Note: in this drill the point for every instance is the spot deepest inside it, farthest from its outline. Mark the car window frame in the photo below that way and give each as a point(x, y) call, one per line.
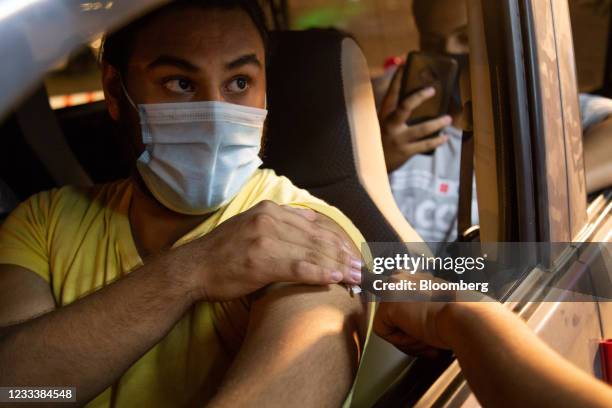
point(560, 212)
point(38, 34)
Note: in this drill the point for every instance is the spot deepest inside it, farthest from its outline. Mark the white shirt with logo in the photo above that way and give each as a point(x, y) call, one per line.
point(426, 188)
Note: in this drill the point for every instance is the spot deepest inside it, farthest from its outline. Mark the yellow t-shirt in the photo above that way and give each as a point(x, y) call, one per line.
point(79, 240)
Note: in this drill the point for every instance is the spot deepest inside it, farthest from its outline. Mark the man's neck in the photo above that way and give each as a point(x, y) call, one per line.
point(154, 227)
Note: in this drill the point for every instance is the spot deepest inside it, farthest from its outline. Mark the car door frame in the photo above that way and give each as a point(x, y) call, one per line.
point(549, 205)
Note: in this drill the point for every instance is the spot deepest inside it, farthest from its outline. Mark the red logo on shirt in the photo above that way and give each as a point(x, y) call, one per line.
point(444, 188)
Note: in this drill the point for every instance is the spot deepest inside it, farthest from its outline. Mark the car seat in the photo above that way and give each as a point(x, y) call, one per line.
point(43, 149)
point(323, 131)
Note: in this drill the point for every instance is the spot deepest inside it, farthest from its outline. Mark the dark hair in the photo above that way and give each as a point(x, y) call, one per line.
point(420, 8)
point(117, 46)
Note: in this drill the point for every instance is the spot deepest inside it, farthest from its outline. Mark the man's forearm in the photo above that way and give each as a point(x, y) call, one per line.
point(92, 342)
point(506, 363)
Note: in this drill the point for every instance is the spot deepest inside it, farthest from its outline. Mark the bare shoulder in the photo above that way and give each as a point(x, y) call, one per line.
point(285, 307)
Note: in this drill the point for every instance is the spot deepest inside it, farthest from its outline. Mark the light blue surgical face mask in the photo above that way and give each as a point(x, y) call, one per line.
point(199, 155)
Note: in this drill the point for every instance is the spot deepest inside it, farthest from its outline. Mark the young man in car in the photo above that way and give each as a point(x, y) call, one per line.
point(426, 187)
point(146, 291)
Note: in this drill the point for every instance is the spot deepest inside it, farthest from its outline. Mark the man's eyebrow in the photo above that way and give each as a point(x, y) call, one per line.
point(244, 60)
point(169, 60)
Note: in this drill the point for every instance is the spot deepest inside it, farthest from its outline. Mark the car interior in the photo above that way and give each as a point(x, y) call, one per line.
point(326, 139)
point(337, 157)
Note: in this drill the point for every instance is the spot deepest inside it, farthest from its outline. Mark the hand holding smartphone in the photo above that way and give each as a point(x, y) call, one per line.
point(423, 70)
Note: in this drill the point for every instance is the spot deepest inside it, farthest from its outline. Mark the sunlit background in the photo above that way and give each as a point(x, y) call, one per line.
point(383, 28)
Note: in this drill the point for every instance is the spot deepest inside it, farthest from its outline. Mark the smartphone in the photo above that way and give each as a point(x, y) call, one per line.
point(423, 70)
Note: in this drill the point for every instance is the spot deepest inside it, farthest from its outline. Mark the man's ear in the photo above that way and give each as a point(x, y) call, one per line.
point(111, 84)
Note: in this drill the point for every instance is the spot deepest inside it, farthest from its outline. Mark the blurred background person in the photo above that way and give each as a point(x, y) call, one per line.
point(426, 187)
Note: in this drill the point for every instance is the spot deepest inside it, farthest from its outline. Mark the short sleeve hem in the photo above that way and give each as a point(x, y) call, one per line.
point(23, 259)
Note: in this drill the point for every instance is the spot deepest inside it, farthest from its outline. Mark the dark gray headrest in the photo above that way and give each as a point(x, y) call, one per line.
point(308, 130)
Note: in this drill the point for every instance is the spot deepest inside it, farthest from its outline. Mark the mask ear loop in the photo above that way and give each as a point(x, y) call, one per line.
point(127, 95)
point(134, 106)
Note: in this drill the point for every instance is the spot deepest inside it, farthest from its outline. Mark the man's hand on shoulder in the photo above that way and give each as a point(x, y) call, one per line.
point(267, 244)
